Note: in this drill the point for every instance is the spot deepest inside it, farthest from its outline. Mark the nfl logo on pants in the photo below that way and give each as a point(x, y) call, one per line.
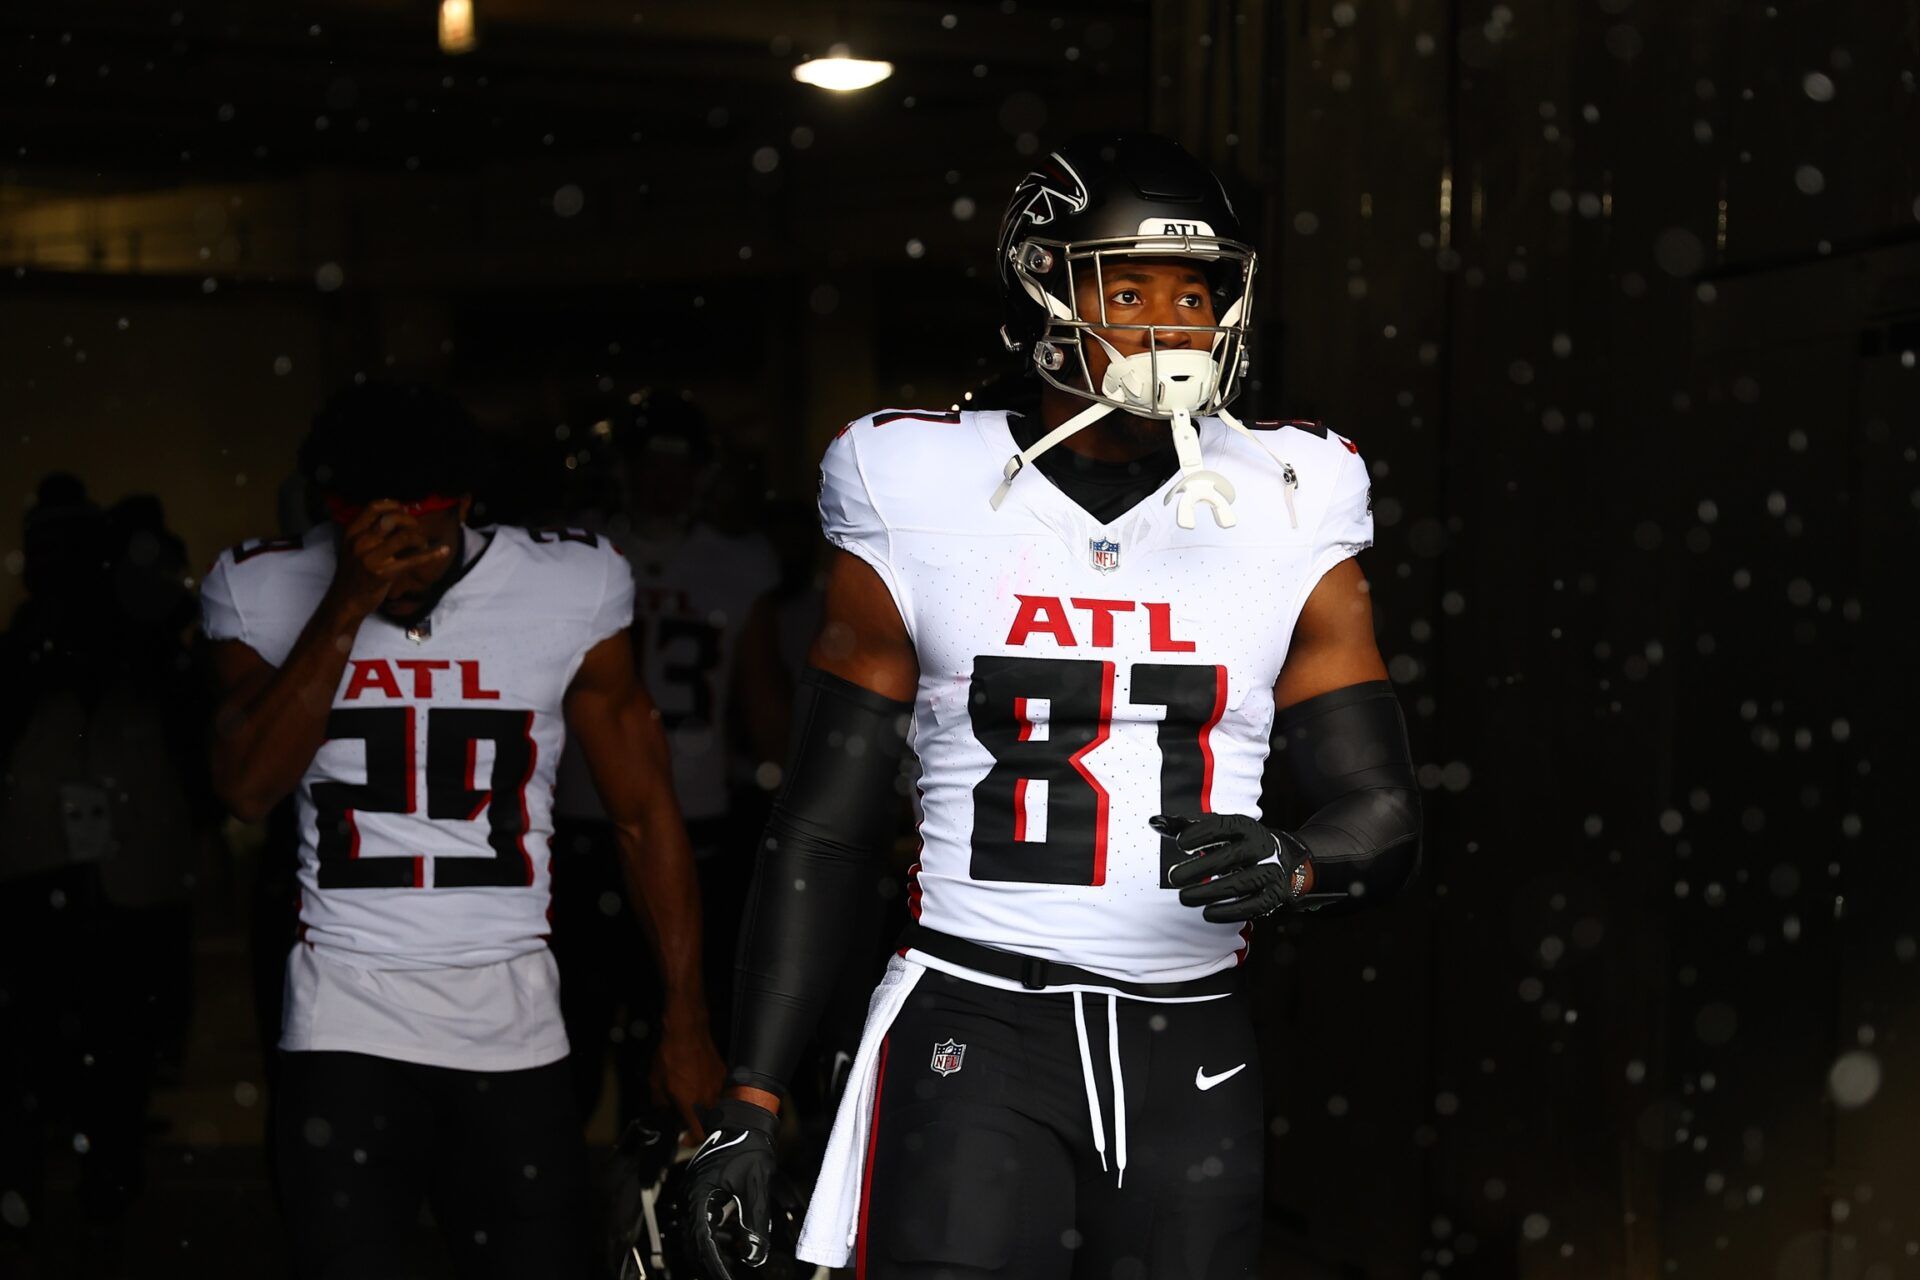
point(946, 1057)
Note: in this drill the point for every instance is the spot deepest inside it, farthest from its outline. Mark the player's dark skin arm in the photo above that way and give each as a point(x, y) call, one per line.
point(271, 720)
point(618, 729)
point(1333, 644)
point(862, 640)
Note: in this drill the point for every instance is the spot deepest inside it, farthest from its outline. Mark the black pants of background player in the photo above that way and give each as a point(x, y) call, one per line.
point(360, 1143)
point(78, 995)
point(991, 1170)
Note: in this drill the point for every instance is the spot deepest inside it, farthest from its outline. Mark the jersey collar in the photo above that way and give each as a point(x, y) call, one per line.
point(1142, 528)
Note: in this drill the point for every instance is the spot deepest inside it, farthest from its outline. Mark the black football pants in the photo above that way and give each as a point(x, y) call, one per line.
point(984, 1162)
point(360, 1142)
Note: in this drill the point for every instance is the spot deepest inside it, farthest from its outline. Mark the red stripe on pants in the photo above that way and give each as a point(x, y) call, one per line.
point(866, 1174)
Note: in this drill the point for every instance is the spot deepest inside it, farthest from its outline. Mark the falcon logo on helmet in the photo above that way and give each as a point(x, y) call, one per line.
point(1095, 203)
point(1041, 188)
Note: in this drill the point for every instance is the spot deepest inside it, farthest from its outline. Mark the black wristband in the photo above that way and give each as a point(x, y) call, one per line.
point(747, 1078)
point(738, 1113)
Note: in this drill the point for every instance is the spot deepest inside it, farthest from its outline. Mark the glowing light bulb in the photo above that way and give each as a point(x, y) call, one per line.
point(456, 26)
point(840, 72)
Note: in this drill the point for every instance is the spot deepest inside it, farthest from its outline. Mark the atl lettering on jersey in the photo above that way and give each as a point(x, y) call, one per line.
point(424, 817)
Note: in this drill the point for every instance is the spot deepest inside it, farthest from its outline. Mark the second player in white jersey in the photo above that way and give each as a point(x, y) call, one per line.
point(691, 596)
point(407, 680)
point(424, 819)
point(1077, 677)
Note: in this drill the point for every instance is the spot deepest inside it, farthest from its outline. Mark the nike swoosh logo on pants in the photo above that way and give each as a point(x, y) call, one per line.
point(1203, 1082)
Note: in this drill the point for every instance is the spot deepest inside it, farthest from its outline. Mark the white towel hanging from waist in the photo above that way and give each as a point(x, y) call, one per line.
point(833, 1215)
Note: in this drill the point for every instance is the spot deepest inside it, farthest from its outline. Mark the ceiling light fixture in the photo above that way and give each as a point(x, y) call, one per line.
point(841, 72)
point(456, 26)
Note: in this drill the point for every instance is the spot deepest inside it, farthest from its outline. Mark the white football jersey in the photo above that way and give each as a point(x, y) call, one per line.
point(691, 597)
point(425, 817)
point(1078, 677)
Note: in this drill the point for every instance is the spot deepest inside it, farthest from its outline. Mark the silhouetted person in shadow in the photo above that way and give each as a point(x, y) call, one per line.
point(149, 880)
point(96, 840)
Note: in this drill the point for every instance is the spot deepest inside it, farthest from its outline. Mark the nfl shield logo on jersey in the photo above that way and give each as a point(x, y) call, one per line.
point(946, 1057)
point(1106, 555)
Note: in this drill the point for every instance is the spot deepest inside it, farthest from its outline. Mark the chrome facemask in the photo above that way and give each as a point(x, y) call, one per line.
point(1176, 384)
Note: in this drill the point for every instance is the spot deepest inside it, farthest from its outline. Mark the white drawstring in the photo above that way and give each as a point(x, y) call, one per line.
point(1086, 1074)
point(1093, 1094)
point(1119, 1089)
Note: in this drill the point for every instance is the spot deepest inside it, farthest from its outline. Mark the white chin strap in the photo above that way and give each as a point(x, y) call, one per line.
point(1172, 382)
point(1018, 462)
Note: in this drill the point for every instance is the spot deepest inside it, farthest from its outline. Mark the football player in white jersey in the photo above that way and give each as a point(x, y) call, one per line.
point(411, 679)
point(694, 585)
point(1059, 1076)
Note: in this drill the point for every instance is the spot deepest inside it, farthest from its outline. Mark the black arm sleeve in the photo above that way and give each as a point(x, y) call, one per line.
point(840, 804)
point(1346, 754)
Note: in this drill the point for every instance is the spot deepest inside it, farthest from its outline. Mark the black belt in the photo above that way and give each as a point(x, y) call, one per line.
point(1034, 973)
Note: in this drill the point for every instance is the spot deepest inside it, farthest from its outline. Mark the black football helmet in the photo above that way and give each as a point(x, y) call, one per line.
point(1107, 197)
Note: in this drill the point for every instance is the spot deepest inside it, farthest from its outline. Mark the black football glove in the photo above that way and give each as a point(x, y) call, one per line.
point(735, 1165)
point(1234, 867)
